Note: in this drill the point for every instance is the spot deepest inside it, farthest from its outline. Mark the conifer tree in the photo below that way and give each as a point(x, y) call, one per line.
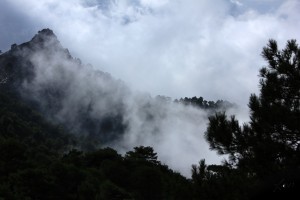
point(271, 141)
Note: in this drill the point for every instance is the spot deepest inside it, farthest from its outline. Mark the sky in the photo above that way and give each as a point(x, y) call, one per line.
point(176, 48)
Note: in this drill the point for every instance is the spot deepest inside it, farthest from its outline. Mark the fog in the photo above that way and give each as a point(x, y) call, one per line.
point(175, 131)
point(69, 92)
point(181, 48)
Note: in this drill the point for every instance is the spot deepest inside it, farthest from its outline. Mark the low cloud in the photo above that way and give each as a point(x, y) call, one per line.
point(173, 48)
point(91, 103)
point(174, 130)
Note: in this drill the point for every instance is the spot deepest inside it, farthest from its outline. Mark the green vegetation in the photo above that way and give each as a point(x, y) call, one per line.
point(39, 160)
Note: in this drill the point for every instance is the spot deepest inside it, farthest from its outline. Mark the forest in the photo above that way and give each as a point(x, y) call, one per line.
point(43, 159)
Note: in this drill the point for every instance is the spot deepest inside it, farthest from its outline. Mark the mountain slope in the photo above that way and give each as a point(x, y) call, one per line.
point(44, 74)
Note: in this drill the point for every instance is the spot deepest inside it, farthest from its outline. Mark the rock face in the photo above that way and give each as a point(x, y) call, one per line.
point(44, 36)
point(16, 64)
point(44, 33)
point(83, 100)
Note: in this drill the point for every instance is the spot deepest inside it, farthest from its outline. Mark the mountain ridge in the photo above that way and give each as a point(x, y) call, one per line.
point(30, 69)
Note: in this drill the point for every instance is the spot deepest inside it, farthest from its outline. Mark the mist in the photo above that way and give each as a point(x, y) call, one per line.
point(79, 97)
point(174, 130)
point(181, 48)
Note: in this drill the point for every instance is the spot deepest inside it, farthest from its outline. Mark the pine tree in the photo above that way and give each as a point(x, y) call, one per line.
point(271, 141)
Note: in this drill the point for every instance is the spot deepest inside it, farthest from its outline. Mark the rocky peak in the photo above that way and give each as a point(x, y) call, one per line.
point(17, 61)
point(44, 39)
point(47, 32)
point(44, 35)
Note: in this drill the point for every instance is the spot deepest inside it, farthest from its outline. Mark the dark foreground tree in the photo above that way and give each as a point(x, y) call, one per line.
point(142, 153)
point(269, 146)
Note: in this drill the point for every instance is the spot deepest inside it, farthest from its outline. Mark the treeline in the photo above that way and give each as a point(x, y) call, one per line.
point(204, 104)
point(200, 102)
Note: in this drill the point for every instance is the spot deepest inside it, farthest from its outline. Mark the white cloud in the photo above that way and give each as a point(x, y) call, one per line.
point(175, 48)
point(237, 2)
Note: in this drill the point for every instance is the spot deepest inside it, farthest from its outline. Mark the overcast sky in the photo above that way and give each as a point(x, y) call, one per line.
point(175, 48)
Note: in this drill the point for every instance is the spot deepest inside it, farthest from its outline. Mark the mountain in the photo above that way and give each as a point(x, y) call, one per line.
point(84, 101)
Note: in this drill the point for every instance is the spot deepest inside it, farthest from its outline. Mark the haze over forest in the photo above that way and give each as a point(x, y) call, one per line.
point(92, 104)
point(162, 74)
point(170, 48)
